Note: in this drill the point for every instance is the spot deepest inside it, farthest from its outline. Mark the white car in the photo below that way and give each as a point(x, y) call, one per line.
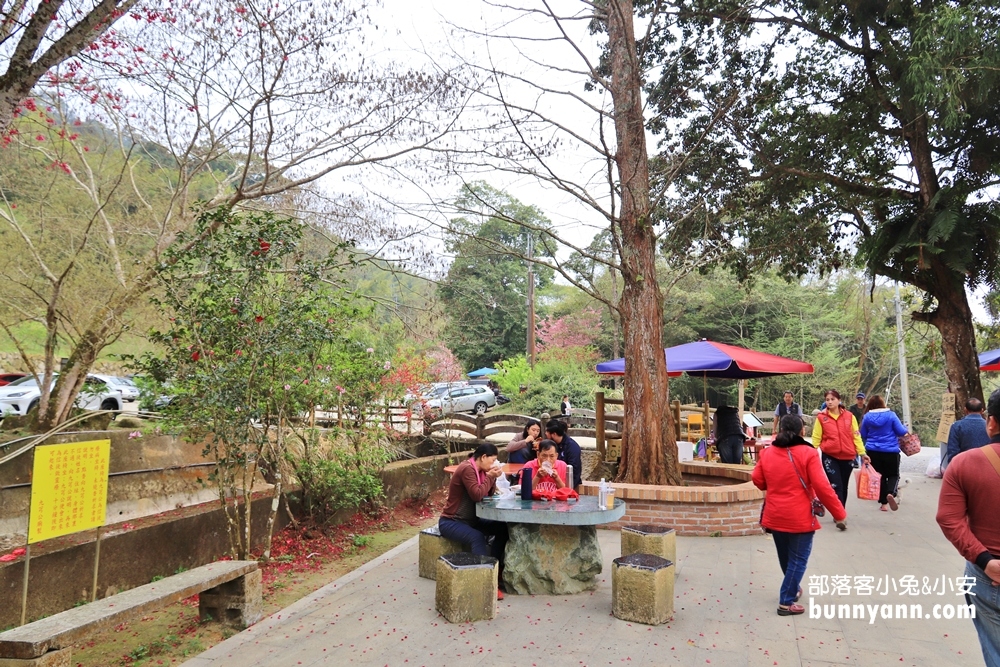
point(22, 395)
point(477, 399)
point(129, 391)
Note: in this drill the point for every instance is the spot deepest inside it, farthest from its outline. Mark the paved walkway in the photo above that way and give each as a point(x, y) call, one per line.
point(726, 594)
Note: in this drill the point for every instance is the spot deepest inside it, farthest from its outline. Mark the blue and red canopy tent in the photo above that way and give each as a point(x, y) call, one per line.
point(710, 359)
point(989, 361)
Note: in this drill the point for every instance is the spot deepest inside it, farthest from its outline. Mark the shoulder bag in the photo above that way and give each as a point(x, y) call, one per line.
point(817, 506)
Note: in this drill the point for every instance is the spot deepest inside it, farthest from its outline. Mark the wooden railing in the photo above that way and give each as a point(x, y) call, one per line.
point(482, 426)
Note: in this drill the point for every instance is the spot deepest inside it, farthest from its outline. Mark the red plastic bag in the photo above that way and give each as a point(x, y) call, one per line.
point(868, 480)
point(909, 444)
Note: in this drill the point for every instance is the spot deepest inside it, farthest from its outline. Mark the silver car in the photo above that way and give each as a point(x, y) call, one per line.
point(129, 391)
point(477, 399)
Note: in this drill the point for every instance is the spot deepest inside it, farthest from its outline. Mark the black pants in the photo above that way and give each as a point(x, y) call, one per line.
point(730, 449)
point(839, 473)
point(888, 466)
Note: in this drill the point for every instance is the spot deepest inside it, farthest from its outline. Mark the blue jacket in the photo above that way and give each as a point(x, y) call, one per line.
point(881, 431)
point(965, 434)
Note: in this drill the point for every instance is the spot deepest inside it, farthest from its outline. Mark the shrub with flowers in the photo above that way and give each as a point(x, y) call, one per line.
point(256, 331)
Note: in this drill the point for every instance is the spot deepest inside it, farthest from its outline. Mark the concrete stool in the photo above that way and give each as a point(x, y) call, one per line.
point(642, 589)
point(649, 539)
point(467, 587)
point(433, 546)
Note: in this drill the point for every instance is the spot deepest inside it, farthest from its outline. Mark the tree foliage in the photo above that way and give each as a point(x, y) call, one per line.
point(485, 291)
point(820, 132)
point(252, 341)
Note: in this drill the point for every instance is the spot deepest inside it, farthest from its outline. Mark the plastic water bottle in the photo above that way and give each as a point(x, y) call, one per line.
point(602, 494)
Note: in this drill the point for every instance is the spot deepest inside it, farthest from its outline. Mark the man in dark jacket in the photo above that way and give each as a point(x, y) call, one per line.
point(788, 406)
point(858, 409)
point(967, 433)
point(729, 435)
point(569, 449)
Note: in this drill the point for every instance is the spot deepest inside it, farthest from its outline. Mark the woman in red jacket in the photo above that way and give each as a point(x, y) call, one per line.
point(790, 474)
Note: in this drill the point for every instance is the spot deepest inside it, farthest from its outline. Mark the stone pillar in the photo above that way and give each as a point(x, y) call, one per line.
point(648, 539)
point(466, 587)
point(642, 589)
point(543, 559)
point(237, 602)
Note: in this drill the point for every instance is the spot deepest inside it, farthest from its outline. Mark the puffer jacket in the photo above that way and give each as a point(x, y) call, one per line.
point(881, 431)
point(788, 506)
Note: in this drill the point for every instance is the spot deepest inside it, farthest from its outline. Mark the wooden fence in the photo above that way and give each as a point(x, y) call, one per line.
point(482, 427)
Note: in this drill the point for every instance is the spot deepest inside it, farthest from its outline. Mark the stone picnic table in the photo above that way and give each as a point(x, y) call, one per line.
point(553, 548)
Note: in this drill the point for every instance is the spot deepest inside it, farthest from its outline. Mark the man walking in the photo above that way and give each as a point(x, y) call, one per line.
point(858, 409)
point(788, 406)
point(967, 507)
point(967, 433)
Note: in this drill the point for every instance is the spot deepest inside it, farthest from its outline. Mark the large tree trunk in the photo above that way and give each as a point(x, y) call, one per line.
point(953, 319)
point(649, 451)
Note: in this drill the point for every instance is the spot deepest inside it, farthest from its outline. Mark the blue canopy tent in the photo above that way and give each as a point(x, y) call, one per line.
point(480, 372)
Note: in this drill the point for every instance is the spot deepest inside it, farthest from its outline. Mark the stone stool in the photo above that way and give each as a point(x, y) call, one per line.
point(656, 540)
point(642, 589)
point(467, 587)
point(432, 547)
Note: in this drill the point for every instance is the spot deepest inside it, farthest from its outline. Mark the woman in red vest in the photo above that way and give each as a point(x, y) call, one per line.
point(836, 434)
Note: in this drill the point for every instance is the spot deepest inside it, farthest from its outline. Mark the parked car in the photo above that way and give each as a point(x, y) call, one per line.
point(126, 386)
point(7, 378)
point(22, 395)
point(475, 399)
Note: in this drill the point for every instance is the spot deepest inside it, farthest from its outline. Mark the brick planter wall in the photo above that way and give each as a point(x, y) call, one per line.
point(728, 510)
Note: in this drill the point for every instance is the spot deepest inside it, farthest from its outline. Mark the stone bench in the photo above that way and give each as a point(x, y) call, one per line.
point(230, 592)
point(466, 588)
point(432, 546)
point(642, 589)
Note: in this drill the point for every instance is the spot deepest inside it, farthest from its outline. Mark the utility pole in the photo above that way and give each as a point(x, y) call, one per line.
point(531, 301)
point(904, 380)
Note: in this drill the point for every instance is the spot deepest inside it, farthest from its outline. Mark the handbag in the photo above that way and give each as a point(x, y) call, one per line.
point(909, 444)
point(817, 506)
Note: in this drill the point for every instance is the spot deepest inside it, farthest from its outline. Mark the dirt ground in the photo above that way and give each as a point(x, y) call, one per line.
point(303, 560)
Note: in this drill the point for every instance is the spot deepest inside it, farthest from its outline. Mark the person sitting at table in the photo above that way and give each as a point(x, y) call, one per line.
point(474, 479)
point(568, 448)
point(524, 447)
point(548, 473)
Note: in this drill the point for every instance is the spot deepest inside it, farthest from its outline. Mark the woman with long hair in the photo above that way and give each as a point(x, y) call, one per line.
point(790, 475)
point(837, 435)
point(474, 479)
point(523, 448)
point(881, 431)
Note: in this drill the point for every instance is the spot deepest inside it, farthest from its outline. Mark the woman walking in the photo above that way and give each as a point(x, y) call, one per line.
point(791, 476)
point(881, 431)
point(837, 435)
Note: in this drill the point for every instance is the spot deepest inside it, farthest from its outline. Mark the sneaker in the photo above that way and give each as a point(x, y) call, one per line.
point(893, 502)
point(842, 525)
point(499, 594)
point(791, 610)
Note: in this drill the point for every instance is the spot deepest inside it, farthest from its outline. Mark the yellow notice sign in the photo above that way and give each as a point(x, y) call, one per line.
point(69, 488)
